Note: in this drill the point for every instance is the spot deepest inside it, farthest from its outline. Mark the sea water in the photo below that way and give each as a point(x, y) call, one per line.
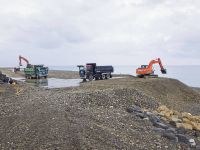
point(189, 75)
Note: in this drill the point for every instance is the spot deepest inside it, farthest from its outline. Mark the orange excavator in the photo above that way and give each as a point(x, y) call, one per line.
point(147, 70)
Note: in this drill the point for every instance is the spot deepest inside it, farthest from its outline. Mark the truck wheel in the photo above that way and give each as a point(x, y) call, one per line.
point(103, 76)
point(90, 77)
point(96, 78)
point(106, 76)
point(110, 75)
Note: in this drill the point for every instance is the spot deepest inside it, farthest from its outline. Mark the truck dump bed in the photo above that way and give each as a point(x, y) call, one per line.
point(104, 69)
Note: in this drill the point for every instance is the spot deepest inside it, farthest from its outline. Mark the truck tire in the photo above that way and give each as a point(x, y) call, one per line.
point(108, 76)
point(90, 77)
point(104, 76)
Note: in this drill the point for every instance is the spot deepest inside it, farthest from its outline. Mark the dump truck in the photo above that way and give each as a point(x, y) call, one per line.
point(35, 71)
point(148, 71)
point(92, 71)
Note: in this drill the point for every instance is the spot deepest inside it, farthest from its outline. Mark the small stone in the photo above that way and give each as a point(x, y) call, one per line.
point(198, 147)
point(192, 142)
point(166, 147)
point(182, 138)
point(146, 118)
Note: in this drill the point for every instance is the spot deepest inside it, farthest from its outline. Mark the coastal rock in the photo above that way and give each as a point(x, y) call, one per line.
point(160, 125)
point(187, 115)
point(175, 118)
point(153, 118)
point(137, 109)
point(182, 138)
point(129, 110)
point(195, 125)
point(185, 120)
point(171, 130)
point(181, 120)
point(192, 143)
point(159, 130)
point(198, 147)
point(162, 108)
point(184, 125)
point(170, 136)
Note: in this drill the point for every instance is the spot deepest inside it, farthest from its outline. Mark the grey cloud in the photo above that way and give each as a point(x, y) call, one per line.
point(79, 30)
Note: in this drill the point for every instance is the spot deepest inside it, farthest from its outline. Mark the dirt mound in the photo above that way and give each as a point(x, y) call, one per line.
point(172, 93)
point(166, 91)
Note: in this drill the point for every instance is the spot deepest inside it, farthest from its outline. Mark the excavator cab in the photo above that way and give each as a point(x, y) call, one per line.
point(144, 66)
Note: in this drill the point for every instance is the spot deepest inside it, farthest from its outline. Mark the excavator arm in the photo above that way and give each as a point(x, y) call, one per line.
point(157, 61)
point(24, 59)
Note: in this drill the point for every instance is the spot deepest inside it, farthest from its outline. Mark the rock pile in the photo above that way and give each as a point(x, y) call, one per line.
point(5, 79)
point(175, 134)
point(181, 120)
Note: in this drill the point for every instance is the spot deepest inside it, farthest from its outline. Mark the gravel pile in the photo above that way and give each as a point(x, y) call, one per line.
point(92, 116)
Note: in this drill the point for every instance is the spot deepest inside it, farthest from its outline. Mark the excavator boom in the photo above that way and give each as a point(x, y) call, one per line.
point(24, 59)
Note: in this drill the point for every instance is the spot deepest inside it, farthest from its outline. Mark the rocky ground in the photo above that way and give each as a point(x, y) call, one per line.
point(95, 115)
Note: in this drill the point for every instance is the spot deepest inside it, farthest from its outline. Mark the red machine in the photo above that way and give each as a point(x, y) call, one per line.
point(24, 59)
point(147, 70)
point(20, 63)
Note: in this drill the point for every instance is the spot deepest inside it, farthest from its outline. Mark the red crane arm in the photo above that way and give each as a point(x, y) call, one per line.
point(24, 59)
point(156, 61)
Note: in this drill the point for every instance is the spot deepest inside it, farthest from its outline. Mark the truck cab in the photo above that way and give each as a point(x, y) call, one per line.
point(81, 71)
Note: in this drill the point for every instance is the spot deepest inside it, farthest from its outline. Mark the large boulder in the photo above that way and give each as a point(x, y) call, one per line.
point(184, 125)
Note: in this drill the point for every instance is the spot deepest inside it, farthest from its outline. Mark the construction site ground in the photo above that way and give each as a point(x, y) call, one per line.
point(91, 116)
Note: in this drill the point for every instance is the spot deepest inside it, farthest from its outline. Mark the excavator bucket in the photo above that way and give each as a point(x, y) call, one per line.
point(164, 71)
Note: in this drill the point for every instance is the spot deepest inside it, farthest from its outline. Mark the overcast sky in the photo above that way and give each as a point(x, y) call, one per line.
point(116, 32)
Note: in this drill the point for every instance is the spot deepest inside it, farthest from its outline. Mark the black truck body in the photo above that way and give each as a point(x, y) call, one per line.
point(92, 71)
